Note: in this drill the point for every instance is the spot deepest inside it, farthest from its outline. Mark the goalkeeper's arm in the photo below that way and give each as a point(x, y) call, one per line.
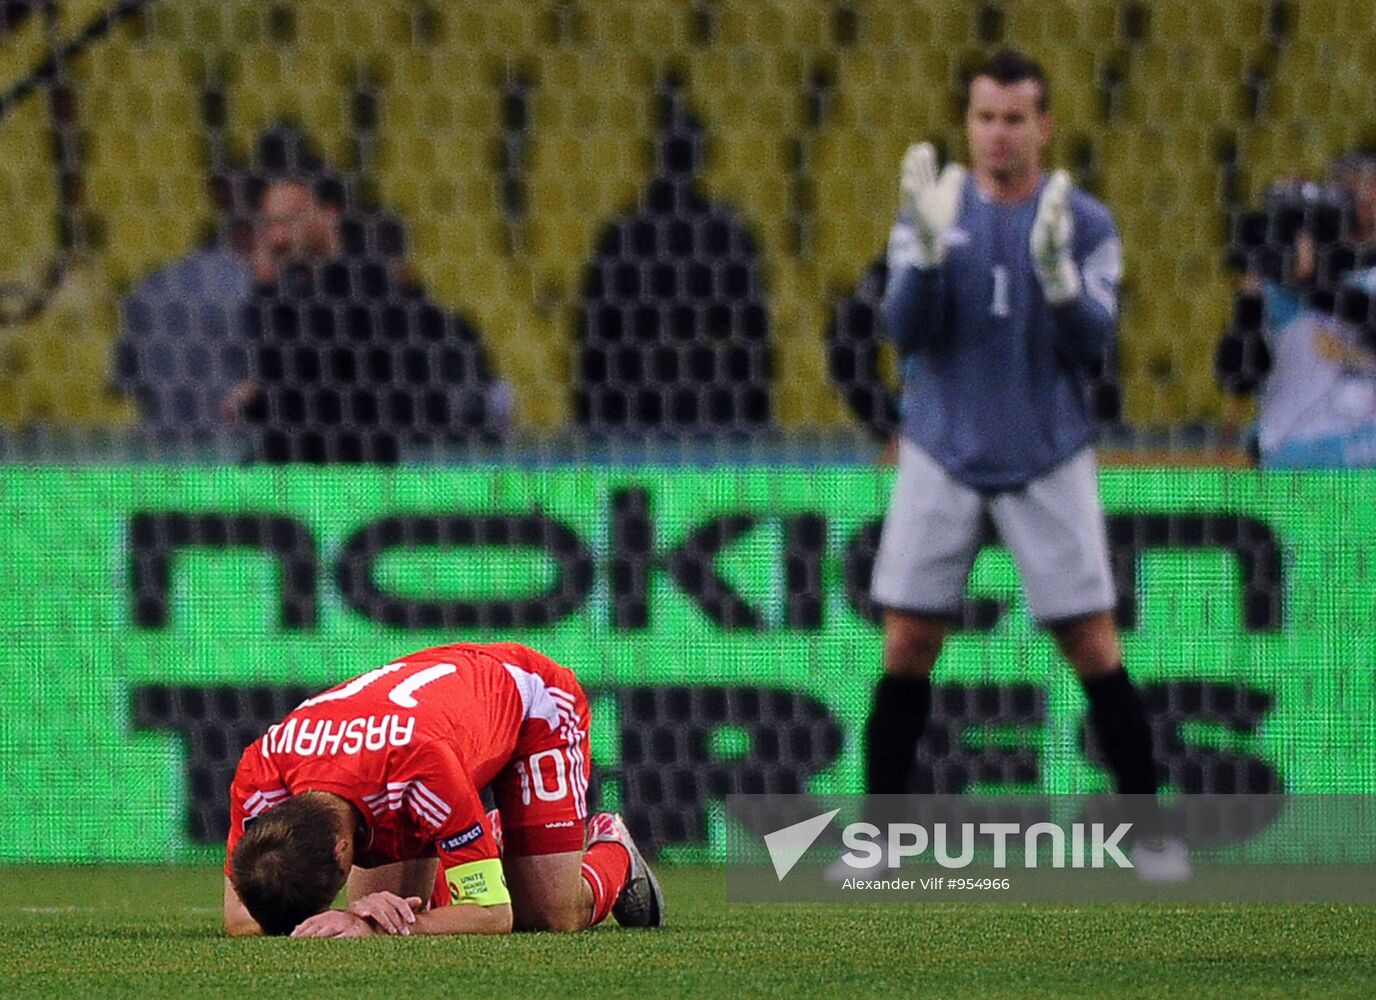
point(912, 306)
point(928, 205)
point(1081, 288)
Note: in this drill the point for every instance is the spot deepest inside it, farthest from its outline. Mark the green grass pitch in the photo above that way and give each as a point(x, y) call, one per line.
point(101, 932)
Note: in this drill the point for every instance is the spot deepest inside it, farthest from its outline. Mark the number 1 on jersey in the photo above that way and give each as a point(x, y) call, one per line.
point(999, 307)
point(403, 694)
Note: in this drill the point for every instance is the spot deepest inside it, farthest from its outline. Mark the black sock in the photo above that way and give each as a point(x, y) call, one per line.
point(1119, 719)
point(898, 714)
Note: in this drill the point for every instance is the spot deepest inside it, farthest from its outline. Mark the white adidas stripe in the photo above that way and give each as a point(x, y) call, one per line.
point(440, 806)
point(425, 803)
point(601, 887)
point(570, 730)
point(262, 801)
point(423, 812)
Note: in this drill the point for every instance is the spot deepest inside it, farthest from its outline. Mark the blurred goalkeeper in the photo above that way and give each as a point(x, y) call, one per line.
point(1003, 294)
point(373, 786)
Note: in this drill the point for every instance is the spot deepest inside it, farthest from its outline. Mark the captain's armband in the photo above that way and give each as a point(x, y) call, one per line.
point(480, 882)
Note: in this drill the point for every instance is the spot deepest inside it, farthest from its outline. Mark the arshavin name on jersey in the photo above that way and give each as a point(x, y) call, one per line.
point(330, 737)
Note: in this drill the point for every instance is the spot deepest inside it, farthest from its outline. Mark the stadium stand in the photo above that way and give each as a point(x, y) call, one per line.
point(508, 137)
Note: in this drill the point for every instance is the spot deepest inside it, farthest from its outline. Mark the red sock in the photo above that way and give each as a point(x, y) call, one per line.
point(606, 867)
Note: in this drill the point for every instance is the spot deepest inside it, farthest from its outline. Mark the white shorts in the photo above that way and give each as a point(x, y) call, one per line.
point(1054, 527)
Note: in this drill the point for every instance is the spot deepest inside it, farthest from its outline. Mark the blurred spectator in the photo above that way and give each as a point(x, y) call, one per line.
point(1355, 173)
point(673, 335)
point(181, 352)
point(352, 362)
point(1303, 336)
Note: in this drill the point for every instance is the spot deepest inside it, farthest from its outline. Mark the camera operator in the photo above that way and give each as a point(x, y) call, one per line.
point(1303, 336)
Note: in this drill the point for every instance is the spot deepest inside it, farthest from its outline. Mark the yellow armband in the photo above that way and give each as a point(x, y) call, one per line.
point(480, 882)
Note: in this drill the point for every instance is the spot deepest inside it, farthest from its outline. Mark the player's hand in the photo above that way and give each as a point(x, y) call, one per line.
point(1052, 235)
point(334, 924)
point(387, 911)
point(930, 202)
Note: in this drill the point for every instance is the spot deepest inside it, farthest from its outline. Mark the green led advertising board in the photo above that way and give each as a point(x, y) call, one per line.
point(678, 596)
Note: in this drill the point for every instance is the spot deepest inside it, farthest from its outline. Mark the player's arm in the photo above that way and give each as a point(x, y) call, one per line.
point(442, 798)
point(238, 923)
point(465, 918)
point(472, 868)
point(912, 306)
point(928, 205)
point(1087, 324)
point(382, 913)
point(1082, 289)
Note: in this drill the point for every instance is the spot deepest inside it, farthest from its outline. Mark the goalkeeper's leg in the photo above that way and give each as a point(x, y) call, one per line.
point(932, 533)
point(1117, 713)
point(901, 701)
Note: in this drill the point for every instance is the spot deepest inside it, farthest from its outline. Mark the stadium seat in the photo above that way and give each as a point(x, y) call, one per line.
point(639, 29)
point(26, 46)
point(493, 29)
point(592, 129)
point(797, 27)
point(435, 167)
point(55, 368)
point(1074, 69)
point(1274, 150)
point(144, 164)
point(857, 194)
point(1317, 101)
point(749, 140)
point(883, 104)
point(311, 87)
point(75, 15)
point(1162, 180)
point(755, 127)
point(338, 24)
point(1060, 25)
point(28, 194)
point(923, 27)
point(819, 195)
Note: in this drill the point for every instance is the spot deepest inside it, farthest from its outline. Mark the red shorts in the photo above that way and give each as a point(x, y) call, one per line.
point(542, 793)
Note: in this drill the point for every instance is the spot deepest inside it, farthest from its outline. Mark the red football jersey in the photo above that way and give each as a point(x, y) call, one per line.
point(410, 744)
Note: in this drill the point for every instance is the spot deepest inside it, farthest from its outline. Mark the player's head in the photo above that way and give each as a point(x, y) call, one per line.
point(1007, 117)
point(296, 221)
point(298, 199)
point(292, 861)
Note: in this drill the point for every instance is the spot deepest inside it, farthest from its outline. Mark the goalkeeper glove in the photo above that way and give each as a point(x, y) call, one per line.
point(929, 202)
point(1051, 242)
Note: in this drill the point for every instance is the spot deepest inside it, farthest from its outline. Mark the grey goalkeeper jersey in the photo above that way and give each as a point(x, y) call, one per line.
point(994, 379)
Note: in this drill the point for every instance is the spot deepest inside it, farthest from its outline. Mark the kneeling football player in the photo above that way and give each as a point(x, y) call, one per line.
point(374, 785)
